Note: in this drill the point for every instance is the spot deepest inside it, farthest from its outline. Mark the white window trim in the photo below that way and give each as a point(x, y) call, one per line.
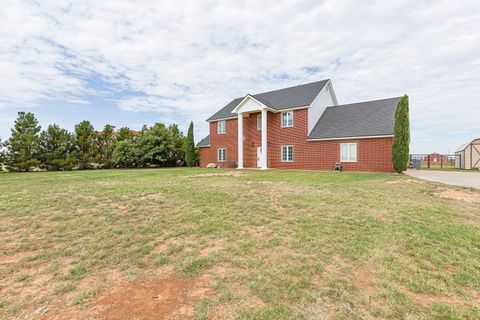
point(224, 152)
point(286, 115)
point(348, 155)
point(224, 126)
point(281, 152)
point(259, 121)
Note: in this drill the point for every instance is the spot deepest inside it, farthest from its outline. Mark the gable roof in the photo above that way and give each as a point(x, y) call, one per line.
point(363, 119)
point(287, 98)
point(465, 145)
point(205, 142)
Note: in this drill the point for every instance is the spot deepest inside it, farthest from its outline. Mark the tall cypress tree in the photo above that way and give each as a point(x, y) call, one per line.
point(190, 147)
point(22, 147)
point(401, 136)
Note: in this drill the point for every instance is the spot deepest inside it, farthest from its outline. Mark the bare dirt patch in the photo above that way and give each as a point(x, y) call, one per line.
point(218, 174)
point(365, 277)
point(335, 265)
point(405, 181)
point(159, 296)
point(465, 196)
point(212, 247)
point(156, 299)
point(6, 258)
point(426, 300)
point(151, 196)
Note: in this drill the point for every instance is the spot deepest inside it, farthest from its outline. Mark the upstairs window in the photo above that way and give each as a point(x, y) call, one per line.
point(287, 153)
point(221, 154)
point(222, 127)
point(348, 152)
point(287, 119)
point(259, 122)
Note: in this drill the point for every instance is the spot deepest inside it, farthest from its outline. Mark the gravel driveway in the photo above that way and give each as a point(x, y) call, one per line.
point(465, 179)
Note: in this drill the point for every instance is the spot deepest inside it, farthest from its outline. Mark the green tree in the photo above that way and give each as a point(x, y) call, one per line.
point(85, 148)
point(57, 148)
point(155, 145)
point(126, 154)
point(178, 155)
point(22, 147)
point(190, 152)
point(106, 145)
point(2, 155)
point(401, 136)
point(124, 134)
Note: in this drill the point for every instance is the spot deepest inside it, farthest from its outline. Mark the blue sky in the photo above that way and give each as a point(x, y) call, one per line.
point(132, 63)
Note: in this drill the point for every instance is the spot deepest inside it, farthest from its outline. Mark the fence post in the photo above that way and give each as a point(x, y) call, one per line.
point(441, 162)
point(428, 161)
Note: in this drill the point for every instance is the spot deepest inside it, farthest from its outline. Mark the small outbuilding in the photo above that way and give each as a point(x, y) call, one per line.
point(468, 155)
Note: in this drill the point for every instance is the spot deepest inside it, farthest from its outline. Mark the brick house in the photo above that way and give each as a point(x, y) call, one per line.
point(301, 127)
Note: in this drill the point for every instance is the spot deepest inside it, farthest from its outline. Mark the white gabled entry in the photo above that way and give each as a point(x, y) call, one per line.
point(247, 105)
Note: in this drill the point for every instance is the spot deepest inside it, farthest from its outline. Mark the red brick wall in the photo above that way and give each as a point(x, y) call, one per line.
point(226, 140)
point(373, 154)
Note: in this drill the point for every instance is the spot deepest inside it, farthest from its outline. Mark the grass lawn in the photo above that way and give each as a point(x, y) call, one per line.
point(219, 244)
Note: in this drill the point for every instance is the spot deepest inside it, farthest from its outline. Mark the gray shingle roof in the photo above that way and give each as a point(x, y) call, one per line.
point(205, 142)
point(298, 96)
point(226, 112)
point(370, 118)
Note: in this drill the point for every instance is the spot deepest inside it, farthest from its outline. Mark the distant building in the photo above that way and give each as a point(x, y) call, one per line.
point(435, 158)
point(132, 132)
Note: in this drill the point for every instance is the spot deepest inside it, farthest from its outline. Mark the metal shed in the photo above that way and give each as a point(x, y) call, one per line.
point(469, 155)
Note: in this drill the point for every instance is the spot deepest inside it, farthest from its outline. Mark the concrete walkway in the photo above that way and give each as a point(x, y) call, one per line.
point(457, 178)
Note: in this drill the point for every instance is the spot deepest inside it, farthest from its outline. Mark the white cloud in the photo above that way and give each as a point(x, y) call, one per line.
point(189, 58)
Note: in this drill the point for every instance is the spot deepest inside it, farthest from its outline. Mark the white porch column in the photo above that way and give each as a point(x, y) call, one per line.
point(264, 139)
point(240, 141)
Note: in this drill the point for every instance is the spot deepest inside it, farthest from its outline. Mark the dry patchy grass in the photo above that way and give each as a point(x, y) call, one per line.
point(219, 244)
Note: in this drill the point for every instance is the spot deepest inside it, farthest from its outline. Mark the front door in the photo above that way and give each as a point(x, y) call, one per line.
point(259, 157)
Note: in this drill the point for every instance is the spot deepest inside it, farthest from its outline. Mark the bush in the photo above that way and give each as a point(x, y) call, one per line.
point(126, 155)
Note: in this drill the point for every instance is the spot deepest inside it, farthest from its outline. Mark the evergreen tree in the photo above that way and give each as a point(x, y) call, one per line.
point(178, 155)
point(85, 148)
point(2, 155)
point(190, 154)
point(124, 134)
point(106, 145)
point(401, 136)
point(57, 148)
point(22, 147)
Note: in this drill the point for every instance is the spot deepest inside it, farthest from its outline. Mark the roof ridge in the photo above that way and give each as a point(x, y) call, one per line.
point(262, 100)
point(359, 102)
point(298, 85)
point(367, 118)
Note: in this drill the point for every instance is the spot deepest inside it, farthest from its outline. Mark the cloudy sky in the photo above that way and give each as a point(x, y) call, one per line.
point(133, 62)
